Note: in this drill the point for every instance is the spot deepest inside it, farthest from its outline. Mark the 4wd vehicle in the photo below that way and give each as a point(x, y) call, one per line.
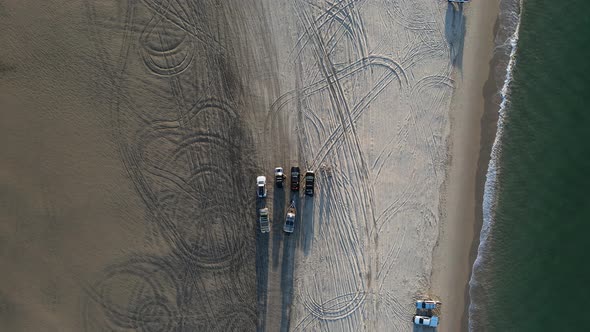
point(426, 304)
point(279, 176)
point(309, 183)
point(295, 178)
point(290, 219)
point(261, 186)
point(425, 321)
point(263, 219)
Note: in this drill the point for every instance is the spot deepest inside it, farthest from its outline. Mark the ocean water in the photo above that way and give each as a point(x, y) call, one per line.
point(532, 272)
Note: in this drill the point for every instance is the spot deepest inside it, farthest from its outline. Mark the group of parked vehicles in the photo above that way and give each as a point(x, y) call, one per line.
point(425, 313)
point(279, 181)
point(295, 177)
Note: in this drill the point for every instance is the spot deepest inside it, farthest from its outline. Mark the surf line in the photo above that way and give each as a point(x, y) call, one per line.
point(491, 183)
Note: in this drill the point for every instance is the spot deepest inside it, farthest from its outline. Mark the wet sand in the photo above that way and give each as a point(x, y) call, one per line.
point(67, 205)
point(473, 122)
point(128, 133)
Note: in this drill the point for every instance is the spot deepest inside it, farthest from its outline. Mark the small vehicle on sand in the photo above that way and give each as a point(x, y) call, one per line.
point(261, 186)
point(290, 219)
point(279, 177)
point(263, 220)
point(295, 178)
point(425, 321)
point(309, 183)
point(426, 304)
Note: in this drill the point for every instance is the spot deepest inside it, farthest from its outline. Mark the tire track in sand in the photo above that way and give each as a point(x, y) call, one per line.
point(352, 151)
point(176, 163)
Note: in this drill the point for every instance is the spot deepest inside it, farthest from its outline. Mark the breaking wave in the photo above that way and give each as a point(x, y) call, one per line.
point(507, 42)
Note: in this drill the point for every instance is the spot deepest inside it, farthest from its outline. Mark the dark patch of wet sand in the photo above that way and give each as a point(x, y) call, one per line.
point(126, 170)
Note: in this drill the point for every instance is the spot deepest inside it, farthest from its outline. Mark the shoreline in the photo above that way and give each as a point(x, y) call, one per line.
point(472, 130)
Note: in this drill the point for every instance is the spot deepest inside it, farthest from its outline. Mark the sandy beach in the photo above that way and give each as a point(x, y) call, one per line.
point(133, 133)
point(473, 121)
point(361, 269)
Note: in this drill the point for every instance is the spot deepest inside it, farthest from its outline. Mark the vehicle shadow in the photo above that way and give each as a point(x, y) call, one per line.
point(455, 33)
point(287, 273)
point(262, 241)
point(288, 268)
point(277, 222)
point(325, 196)
point(307, 224)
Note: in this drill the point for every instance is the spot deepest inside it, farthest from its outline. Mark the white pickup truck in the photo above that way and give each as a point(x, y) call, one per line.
point(425, 321)
point(261, 186)
point(279, 176)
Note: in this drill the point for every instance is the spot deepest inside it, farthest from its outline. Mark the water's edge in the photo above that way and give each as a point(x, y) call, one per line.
point(506, 41)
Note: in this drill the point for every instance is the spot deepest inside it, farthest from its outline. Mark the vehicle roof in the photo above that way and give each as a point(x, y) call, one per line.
point(261, 178)
point(278, 168)
point(294, 168)
point(421, 320)
point(433, 321)
point(309, 172)
point(428, 304)
point(264, 210)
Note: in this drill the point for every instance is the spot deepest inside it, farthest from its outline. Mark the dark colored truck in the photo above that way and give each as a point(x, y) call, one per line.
point(309, 183)
point(295, 178)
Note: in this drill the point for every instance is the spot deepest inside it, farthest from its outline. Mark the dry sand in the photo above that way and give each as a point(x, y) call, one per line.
point(132, 133)
point(370, 102)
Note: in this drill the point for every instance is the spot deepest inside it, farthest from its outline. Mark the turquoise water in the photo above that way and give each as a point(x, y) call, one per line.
point(532, 272)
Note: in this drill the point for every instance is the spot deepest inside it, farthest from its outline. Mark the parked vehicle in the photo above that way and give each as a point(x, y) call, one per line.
point(425, 321)
point(426, 304)
point(263, 220)
point(261, 183)
point(279, 177)
point(309, 183)
point(295, 178)
point(290, 219)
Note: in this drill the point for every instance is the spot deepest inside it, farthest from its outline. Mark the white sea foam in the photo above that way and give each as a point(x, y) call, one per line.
point(476, 286)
